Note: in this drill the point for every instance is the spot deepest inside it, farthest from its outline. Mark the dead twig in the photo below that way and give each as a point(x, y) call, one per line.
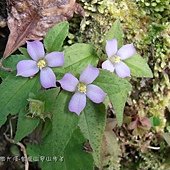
point(23, 150)
point(4, 68)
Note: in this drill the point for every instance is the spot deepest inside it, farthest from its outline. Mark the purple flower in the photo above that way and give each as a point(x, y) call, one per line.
point(116, 57)
point(42, 62)
point(82, 88)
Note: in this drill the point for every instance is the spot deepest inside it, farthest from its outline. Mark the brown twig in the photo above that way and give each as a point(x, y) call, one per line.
point(4, 68)
point(23, 150)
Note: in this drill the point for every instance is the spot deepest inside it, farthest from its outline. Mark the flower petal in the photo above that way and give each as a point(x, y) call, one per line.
point(47, 77)
point(95, 93)
point(107, 65)
point(122, 70)
point(89, 74)
point(126, 51)
point(69, 82)
point(35, 50)
point(27, 68)
point(55, 59)
point(77, 103)
point(111, 47)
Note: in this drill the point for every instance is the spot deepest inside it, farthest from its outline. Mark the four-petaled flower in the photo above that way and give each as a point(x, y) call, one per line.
point(116, 57)
point(82, 88)
point(42, 62)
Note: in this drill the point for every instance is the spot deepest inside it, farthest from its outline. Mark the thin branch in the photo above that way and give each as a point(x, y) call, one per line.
point(153, 147)
point(4, 68)
point(11, 131)
point(23, 150)
point(10, 126)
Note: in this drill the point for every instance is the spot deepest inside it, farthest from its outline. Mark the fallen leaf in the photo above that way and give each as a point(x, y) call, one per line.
point(31, 19)
point(166, 136)
point(110, 147)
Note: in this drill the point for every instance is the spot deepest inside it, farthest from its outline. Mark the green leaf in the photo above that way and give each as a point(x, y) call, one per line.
point(155, 120)
point(55, 37)
point(115, 32)
point(65, 140)
point(14, 94)
point(63, 125)
point(24, 52)
point(74, 157)
point(117, 89)
point(47, 128)
point(48, 97)
point(77, 57)
point(33, 150)
point(138, 66)
point(92, 124)
point(13, 60)
point(11, 63)
point(25, 125)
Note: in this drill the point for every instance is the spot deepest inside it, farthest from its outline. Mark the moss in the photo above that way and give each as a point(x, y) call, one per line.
point(158, 9)
point(145, 23)
point(149, 161)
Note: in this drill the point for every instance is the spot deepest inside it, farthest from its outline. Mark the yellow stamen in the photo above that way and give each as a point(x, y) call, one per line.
point(41, 64)
point(81, 87)
point(115, 59)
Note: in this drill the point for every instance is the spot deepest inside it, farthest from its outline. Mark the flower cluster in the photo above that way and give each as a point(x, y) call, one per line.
point(83, 88)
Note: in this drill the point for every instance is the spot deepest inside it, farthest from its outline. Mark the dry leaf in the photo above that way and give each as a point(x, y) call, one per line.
point(31, 19)
point(110, 146)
